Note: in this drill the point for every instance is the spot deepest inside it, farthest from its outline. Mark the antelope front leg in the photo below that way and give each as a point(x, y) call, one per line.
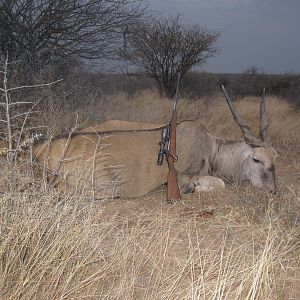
point(191, 184)
point(209, 183)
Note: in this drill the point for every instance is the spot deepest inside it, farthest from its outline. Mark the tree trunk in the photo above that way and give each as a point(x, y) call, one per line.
point(164, 89)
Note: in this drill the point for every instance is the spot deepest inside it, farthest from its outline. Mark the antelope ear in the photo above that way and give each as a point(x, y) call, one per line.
point(252, 141)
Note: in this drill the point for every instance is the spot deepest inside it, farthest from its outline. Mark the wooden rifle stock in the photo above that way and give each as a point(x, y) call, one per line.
point(173, 192)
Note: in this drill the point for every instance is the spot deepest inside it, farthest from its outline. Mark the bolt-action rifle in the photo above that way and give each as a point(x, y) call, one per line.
point(168, 150)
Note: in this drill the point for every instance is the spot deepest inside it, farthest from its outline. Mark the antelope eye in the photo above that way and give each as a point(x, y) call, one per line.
point(256, 160)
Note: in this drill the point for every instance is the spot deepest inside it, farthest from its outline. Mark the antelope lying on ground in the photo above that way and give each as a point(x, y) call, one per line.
point(118, 158)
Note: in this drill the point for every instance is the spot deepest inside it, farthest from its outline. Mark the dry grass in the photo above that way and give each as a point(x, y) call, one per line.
point(58, 246)
point(55, 247)
point(147, 107)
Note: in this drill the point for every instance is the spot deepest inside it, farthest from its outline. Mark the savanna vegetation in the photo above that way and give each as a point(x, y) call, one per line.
point(239, 243)
point(235, 244)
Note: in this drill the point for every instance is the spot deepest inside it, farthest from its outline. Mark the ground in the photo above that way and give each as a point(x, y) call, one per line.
point(240, 243)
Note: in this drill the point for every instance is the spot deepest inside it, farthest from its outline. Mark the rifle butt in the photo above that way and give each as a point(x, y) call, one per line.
point(173, 192)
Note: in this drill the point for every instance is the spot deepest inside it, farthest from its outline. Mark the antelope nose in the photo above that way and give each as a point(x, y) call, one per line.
point(274, 192)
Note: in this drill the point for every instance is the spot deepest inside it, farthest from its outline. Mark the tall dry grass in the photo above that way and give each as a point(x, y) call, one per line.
point(62, 246)
point(147, 107)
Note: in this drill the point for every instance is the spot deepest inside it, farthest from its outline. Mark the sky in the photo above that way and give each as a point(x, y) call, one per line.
point(261, 33)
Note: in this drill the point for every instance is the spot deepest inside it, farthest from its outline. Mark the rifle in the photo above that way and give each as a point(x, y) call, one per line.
point(168, 149)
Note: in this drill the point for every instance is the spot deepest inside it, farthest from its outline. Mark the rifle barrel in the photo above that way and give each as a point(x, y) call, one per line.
point(177, 90)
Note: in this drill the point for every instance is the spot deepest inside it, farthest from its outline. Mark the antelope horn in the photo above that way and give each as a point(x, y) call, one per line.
point(248, 135)
point(264, 125)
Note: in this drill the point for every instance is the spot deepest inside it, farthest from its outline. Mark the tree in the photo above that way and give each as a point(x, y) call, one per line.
point(164, 46)
point(15, 116)
point(40, 32)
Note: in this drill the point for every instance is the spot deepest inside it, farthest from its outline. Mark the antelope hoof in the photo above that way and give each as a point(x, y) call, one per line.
point(188, 188)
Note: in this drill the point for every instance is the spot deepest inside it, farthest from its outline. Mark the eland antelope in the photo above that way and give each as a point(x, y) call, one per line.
point(118, 158)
